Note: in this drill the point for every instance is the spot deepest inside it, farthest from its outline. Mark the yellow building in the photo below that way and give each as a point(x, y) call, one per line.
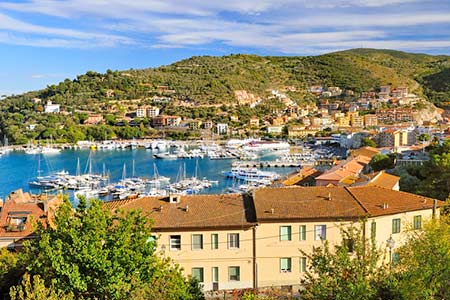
point(209, 236)
point(234, 241)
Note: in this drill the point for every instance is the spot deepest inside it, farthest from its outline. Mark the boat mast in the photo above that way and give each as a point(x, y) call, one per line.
point(132, 170)
point(124, 171)
point(78, 172)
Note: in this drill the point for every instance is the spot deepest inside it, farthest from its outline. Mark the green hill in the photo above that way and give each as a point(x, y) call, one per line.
point(209, 80)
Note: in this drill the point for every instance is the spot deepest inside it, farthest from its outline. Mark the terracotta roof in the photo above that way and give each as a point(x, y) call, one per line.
point(365, 151)
point(297, 203)
point(306, 203)
point(196, 211)
point(344, 169)
point(384, 180)
point(302, 174)
point(11, 210)
point(373, 198)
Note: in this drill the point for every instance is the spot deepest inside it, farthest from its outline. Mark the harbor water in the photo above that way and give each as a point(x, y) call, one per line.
point(18, 169)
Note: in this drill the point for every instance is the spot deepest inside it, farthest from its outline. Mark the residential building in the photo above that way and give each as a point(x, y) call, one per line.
point(222, 128)
point(195, 124)
point(166, 121)
point(152, 111)
point(254, 122)
point(209, 236)
point(18, 213)
point(275, 129)
point(208, 124)
point(141, 112)
point(301, 131)
point(370, 120)
point(51, 108)
point(297, 219)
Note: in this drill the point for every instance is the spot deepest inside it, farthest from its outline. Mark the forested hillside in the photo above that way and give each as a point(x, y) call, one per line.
point(212, 81)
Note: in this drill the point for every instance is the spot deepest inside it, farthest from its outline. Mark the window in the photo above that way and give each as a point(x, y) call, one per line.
point(303, 264)
point(197, 241)
point(234, 273)
point(396, 225)
point(418, 222)
point(214, 241)
point(233, 240)
point(321, 232)
point(285, 233)
point(302, 232)
point(175, 242)
point(285, 264)
point(373, 230)
point(215, 274)
point(197, 273)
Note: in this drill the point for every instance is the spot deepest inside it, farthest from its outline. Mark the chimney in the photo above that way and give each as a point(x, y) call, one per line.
point(187, 208)
point(385, 206)
point(329, 196)
point(174, 198)
point(272, 211)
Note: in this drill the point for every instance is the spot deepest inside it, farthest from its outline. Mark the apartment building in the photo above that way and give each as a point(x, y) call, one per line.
point(209, 236)
point(232, 242)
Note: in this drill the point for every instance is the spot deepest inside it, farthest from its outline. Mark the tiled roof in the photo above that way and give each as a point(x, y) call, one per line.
point(306, 203)
point(374, 198)
point(297, 203)
point(196, 211)
point(29, 210)
point(384, 180)
point(365, 151)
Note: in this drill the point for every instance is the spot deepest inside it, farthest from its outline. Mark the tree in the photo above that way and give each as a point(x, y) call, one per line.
point(35, 289)
point(350, 270)
point(10, 269)
point(381, 162)
point(368, 142)
point(94, 254)
point(424, 262)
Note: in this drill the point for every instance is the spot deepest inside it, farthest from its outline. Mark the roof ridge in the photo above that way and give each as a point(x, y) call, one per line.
point(356, 199)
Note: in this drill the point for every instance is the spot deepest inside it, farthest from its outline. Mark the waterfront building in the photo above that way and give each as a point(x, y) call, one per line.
point(370, 120)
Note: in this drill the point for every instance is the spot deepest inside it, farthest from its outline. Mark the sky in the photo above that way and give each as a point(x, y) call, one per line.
point(42, 42)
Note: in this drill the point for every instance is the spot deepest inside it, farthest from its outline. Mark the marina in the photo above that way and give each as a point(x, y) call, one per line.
point(100, 173)
point(121, 170)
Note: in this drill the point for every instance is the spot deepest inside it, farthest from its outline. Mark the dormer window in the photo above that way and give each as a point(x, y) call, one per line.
point(17, 220)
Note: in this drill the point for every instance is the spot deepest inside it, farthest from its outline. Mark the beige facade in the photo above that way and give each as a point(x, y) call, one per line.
point(234, 241)
point(278, 257)
point(217, 259)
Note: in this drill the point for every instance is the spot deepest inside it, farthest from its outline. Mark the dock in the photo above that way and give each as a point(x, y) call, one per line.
point(267, 164)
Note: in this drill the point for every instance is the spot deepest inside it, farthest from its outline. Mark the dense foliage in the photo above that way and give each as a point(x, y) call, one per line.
point(420, 269)
point(207, 85)
point(91, 253)
point(432, 179)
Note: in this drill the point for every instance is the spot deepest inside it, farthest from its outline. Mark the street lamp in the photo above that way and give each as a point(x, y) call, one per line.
point(390, 244)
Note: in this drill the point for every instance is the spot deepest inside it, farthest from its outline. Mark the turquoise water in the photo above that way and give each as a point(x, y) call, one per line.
point(18, 168)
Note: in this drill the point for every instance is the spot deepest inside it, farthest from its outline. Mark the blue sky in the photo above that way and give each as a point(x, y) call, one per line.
point(45, 41)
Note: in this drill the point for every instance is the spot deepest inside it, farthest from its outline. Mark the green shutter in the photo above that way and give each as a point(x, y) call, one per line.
point(302, 232)
point(303, 264)
point(418, 222)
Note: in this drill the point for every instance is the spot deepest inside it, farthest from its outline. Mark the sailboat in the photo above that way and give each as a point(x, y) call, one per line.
point(158, 179)
point(49, 149)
